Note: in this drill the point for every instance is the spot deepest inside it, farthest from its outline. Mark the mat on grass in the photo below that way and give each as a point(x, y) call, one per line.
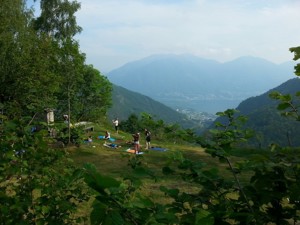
point(158, 149)
point(103, 137)
point(133, 151)
point(111, 145)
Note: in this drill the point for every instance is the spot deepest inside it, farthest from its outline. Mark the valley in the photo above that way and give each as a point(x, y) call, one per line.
point(186, 81)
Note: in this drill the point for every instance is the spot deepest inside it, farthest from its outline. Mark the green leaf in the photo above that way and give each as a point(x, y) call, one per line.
point(97, 181)
point(167, 170)
point(275, 95)
point(204, 217)
point(36, 193)
point(286, 98)
point(98, 214)
point(171, 192)
point(141, 171)
point(45, 209)
point(141, 202)
point(114, 218)
point(212, 173)
point(283, 106)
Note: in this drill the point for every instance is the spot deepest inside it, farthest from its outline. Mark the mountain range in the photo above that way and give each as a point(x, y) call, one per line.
point(189, 82)
point(263, 116)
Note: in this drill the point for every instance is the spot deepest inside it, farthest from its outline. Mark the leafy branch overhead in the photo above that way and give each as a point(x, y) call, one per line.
point(296, 51)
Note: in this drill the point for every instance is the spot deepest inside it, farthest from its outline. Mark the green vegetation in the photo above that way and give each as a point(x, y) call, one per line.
point(210, 180)
point(264, 116)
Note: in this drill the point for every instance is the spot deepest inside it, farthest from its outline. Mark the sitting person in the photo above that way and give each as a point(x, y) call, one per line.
point(107, 135)
point(88, 140)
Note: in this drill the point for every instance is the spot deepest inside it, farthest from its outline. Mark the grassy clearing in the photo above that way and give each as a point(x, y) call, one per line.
point(114, 162)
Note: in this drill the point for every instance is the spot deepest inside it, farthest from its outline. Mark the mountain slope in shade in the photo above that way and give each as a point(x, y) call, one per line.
point(186, 81)
point(127, 102)
point(266, 120)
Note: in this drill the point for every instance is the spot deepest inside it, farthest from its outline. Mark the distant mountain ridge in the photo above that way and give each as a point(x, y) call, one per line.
point(186, 81)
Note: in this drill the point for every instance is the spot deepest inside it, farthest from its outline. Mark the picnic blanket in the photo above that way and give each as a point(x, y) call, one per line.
point(133, 151)
point(103, 137)
point(158, 149)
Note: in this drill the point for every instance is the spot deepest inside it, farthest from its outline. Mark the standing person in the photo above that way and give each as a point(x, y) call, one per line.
point(148, 138)
point(116, 123)
point(136, 141)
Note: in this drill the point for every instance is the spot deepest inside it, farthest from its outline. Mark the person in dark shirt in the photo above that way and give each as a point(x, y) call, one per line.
point(148, 138)
point(107, 135)
point(136, 142)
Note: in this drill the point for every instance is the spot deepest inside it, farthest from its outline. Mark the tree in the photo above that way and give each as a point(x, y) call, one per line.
point(93, 96)
point(58, 19)
point(27, 83)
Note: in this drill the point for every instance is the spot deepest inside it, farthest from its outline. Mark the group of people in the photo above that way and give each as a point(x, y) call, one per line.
point(116, 125)
point(136, 140)
point(136, 137)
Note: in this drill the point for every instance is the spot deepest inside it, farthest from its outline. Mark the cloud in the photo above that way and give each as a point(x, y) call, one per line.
point(116, 32)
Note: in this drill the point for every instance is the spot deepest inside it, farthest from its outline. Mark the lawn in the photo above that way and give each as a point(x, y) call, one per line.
point(114, 162)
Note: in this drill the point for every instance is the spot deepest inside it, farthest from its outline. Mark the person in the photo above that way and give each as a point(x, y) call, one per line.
point(116, 123)
point(107, 135)
point(89, 140)
point(148, 138)
point(111, 145)
point(66, 120)
point(136, 142)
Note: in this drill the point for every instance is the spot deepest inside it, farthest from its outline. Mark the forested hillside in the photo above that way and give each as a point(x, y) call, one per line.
point(125, 103)
point(266, 120)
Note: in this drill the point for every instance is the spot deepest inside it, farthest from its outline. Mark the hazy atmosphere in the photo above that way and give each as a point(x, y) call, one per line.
point(118, 31)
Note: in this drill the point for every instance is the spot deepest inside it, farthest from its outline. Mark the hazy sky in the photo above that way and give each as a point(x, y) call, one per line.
point(119, 31)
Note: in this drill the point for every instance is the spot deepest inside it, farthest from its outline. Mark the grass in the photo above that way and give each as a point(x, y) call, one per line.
point(114, 162)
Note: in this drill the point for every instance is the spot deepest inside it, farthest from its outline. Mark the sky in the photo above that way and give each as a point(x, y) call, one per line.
point(116, 32)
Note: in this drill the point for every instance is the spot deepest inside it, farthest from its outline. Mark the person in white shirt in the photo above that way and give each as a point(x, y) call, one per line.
point(116, 123)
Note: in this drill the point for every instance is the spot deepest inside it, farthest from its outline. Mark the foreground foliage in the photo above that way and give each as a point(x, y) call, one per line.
point(38, 184)
point(262, 189)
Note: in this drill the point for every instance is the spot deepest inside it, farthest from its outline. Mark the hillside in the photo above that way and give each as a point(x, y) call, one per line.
point(265, 119)
point(127, 102)
point(186, 81)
